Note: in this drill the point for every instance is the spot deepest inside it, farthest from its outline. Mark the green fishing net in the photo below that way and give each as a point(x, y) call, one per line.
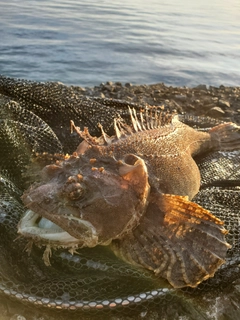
point(35, 119)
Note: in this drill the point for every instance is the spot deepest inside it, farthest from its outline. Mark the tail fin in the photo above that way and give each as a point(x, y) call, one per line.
point(226, 136)
point(178, 240)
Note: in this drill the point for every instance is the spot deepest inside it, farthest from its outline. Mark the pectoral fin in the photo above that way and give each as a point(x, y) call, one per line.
point(177, 239)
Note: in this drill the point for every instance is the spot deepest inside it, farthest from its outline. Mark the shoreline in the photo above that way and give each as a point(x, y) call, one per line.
point(218, 102)
point(221, 102)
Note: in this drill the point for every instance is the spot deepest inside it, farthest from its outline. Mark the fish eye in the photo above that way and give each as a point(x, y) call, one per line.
point(73, 190)
point(76, 194)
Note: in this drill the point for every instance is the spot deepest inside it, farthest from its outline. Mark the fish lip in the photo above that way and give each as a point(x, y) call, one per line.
point(29, 228)
point(53, 235)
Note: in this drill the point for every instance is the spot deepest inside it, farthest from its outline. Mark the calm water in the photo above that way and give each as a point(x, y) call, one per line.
point(88, 42)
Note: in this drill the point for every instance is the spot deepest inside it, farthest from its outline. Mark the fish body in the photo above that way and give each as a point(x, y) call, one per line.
point(132, 191)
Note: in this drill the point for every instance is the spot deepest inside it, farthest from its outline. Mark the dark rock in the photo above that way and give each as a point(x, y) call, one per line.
point(212, 88)
point(208, 106)
point(81, 89)
point(139, 90)
point(176, 104)
point(201, 87)
point(89, 93)
point(181, 97)
point(107, 87)
point(116, 88)
point(128, 84)
point(190, 106)
point(229, 113)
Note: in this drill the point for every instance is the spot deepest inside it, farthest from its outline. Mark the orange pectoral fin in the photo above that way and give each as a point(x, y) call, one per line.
point(179, 208)
point(178, 240)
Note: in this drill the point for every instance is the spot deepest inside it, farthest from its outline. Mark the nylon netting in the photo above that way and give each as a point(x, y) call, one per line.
point(36, 121)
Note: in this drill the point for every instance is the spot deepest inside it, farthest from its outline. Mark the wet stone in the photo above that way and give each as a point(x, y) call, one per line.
point(119, 95)
point(139, 90)
point(223, 103)
point(107, 87)
point(89, 93)
point(229, 113)
point(181, 97)
point(101, 95)
point(216, 112)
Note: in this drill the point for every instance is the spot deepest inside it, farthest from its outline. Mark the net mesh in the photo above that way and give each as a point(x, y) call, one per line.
point(34, 119)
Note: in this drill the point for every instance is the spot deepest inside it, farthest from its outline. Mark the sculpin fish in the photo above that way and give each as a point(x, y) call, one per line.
point(133, 191)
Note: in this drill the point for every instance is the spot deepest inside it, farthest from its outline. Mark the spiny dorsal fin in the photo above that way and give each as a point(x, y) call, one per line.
point(147, 119)
point(150, 118)
point(85, 135)
point(106, 138)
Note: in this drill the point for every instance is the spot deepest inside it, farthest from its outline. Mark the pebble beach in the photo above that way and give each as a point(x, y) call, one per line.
point(217, 102)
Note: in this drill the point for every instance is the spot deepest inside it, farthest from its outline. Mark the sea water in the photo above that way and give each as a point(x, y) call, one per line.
point(89, 42)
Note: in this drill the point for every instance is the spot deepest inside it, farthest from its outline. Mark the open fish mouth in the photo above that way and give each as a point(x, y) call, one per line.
point(44, 231)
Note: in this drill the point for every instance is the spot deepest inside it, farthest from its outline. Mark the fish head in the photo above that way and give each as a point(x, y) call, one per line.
point(84, 201)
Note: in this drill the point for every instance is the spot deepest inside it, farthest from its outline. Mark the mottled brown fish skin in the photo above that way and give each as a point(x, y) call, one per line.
point(168, 153)
point(168, 234)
